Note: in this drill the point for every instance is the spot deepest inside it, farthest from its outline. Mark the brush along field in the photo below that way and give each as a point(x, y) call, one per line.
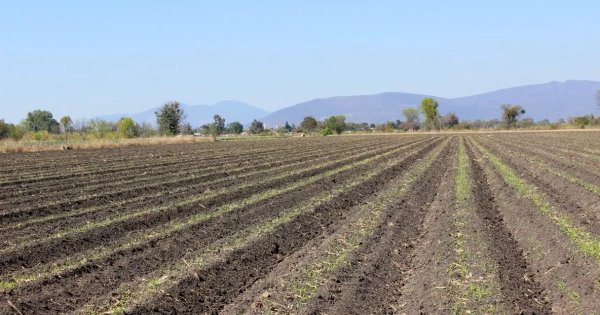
point(448, 223)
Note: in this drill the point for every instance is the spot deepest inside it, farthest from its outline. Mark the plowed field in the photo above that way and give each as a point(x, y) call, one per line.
point(503, 223)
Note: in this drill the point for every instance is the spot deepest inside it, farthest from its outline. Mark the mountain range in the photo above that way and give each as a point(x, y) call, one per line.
point(551, 100)
point(198, 115)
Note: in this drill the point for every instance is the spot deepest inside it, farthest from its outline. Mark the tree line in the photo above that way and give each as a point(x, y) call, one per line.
point(170, 121)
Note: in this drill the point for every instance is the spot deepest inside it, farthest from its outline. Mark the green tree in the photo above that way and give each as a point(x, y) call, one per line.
point(169, 118)
point(334, 124)
point(218, 126)
point(256, 127)
point(309, 124)
point(235, 127)
point(581, 121)
point(429, 108)
point(511, 113)
point(288, 127)
point(40, 120)
point(127, 127)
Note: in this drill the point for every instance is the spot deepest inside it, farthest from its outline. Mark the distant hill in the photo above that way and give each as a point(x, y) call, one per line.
point(552, 101)
point(361, 108)
point(198, 115)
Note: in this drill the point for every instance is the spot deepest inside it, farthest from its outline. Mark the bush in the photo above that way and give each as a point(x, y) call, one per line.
point(335, 124)
point(127, 127)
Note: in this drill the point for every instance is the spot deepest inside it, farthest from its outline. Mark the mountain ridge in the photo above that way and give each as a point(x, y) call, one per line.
point(552, 100)
point(201, 114)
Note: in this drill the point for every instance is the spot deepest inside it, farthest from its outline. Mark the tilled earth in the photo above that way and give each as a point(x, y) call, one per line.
point(401, 224)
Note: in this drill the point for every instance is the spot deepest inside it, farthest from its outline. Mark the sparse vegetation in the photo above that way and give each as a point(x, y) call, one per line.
point(342, 208)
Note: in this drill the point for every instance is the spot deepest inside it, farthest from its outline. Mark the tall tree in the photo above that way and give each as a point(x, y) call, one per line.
point(429, 108)
point(256, 127)
point(66, 122)
point(334, 124)
point(40, 120)
point(218, 125)
point(309, 124)
point(169, 118)
point(511, 113)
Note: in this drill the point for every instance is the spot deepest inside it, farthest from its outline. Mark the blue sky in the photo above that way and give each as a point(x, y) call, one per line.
point(87, 58)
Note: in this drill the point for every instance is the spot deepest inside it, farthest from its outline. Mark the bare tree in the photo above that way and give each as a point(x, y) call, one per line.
point(598, 99)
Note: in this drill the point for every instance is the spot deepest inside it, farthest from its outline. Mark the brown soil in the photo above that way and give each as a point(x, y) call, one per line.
point(400, 268)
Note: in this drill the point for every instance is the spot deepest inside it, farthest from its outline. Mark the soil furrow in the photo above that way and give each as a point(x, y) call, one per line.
point(517, 281)
point(164, 251)
point(371, 283)
point(246, 266)
point(46, 252)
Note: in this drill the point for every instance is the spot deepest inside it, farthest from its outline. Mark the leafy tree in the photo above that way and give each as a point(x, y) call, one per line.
point(334, 124)
point(449, 120)
point(256, 127)
point(235, 127)
point(309, 124)
point(169, 118)
point(40, 120)
point(219, 125)
point(511, 113)
point(288, 127)
point(580, 121)
point(429, 108)
point(127, 127)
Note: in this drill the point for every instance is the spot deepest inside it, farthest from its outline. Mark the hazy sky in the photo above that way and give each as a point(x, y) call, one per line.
point(86, 58)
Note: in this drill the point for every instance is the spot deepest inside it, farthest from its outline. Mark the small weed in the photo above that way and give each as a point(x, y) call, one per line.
point(7, 285)
point(478, 292)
